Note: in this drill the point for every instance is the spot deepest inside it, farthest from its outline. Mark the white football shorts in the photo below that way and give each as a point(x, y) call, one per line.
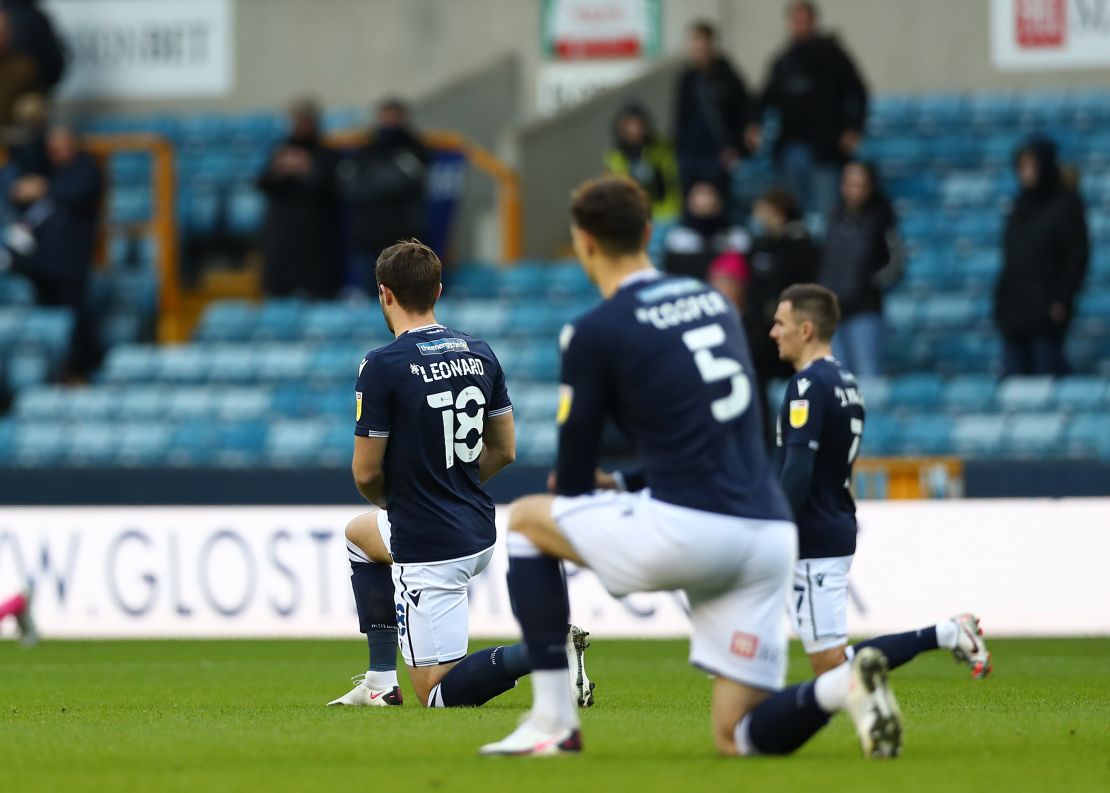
point(820, 602)
point(735, 572)
point(433, 613)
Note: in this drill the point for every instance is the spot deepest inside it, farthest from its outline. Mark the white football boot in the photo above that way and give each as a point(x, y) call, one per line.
point(362, 696)
point(871, 705)
point(970, 648)
point(581, 687)
point(533, 739)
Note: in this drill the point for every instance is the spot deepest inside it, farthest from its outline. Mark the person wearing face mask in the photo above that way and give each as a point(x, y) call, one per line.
point(863, 257)
point(704, 238)
point(639, 154)
point(782, 254)
point(386, 181)
point(299, 233)
point(1045, 253)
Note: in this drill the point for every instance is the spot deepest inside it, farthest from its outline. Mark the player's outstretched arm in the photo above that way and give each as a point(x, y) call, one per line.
point(366, 467)
point(498, 445)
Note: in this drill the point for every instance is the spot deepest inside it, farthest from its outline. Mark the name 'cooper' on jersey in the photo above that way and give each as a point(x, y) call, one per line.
point(430, 392)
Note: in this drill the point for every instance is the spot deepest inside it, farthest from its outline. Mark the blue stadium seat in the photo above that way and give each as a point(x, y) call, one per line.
point(184, 363)
point(27, 366)
point(337, 445)
point(1088, 435)
point(915, 392)
point(334, 403)
point(227, 320)
point(1077, 394)
point(95, 403)
point(129, 204)
point(42, 402)
point(473, 280)
point(231, 363)
point(194, 443)
point(277, 362)
point(535, 403)
point(1095, 304)
point(1025, 394)
point(15, 290)
point(241, 443)
point(923, 434)
point(880, 434)
point(536, 443)
point(143, 443)
point(189, 403)
point(294, 443)
point(979, 435)
point(279, 320)
point(993, 111)
point(241, 403)
point(969, 394)
point(91, 444)
point(997, 150)
point(968, 188)
point(876, 393)
point(129, 363)
point(1035, 435)
point(40, 443)
point(245, 210)
point(142, 402)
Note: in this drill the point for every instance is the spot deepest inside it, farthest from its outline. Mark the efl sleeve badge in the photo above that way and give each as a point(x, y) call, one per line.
point(799, 413)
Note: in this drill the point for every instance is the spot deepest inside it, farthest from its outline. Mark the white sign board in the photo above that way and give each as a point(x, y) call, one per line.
point(141, 49)
point(563, 85)
point(1031, 35)
point(1027, 567)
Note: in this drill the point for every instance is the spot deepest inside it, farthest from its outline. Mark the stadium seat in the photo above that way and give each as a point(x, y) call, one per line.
point(96, 403)
point(40, 443)
point(143, 443)
point(923, 434)
point(15, 290)
point(969, 394)
point(91, 444)
point(916, 392)
point(294, 443)
point(278, 362)
point(240, 403)
point(230, 363)
point(1018, 394)
point(880, 434)
point(227, 320)
point(42, 402)
point(195, 402)
point(241, 443)
point(279, 320)
point(185, 363)
point(1035, 435)
point(141, 402)
point(978, 435)
point(1088, 435)
point(876, 393)
point(1077, 394)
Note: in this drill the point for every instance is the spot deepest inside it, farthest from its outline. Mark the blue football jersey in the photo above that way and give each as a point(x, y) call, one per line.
point(823, 409)
point(667, 359)
point(430, 392)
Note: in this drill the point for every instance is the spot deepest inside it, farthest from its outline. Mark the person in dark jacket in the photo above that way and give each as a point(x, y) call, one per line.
point(821, 101)
point(639, 154)
point(862, 258)
point(1044, 261)
point(57, 230)
point(386, 181)
point(299, 237)
point(704, 238)
point(18, 75)
point(35, 37)
point(712, 114)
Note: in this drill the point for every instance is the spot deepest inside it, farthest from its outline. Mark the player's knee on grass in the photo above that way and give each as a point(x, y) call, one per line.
point(825, 660)
point(531, 518)
point(426, 678)
point(732, 701)
point(363, 532)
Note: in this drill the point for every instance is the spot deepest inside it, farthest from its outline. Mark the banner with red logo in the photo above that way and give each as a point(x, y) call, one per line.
point(1031, 35)
point(591, 29)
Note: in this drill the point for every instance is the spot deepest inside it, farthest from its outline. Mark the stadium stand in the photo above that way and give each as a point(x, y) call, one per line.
point(269, 384)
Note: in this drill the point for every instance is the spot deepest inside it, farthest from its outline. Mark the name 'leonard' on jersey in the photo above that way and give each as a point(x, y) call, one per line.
point(823, 409)
point(666, 358)
point(430, 392)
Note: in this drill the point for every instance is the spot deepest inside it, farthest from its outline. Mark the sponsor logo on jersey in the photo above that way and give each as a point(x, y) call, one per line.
point(799, 413)
point(566, 397)
point(670, 289)
point(803, 386)
point(744, 645)
point(358, 405)
point(441, 346)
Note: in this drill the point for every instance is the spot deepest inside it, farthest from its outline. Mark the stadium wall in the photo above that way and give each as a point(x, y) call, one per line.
point(239, 572)
point(351, 52)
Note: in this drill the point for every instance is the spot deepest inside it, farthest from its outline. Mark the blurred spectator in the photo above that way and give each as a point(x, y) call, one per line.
point(821, 103)
point(18, 75)
point(712, 114)
point(35, 37)
point(52, 241)
point(782, 254)
point(25, 140)
point(386, 180)
point(639, 154)
point(299, 236)
point(1045, 253)
point(704, 238)
point(862, 258)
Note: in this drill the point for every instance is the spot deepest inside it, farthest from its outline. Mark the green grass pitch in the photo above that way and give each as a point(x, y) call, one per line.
point(250, 716)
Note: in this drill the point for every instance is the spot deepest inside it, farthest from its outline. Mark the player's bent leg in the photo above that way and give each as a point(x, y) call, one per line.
point(425, 678)
point(364, 532)
point(824, 660)
point(532, 517)
point(731, 702)
point(962, 634)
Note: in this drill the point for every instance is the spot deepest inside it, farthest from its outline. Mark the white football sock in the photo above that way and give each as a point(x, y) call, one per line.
point(380, 680)
point(552, 705)
point(948, 633)
point(831, 688)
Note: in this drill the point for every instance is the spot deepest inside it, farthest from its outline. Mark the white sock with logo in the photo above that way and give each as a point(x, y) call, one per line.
point(381, 680)
point(831, 688)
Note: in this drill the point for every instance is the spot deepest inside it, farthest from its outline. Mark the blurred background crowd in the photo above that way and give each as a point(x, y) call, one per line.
point(965, 235)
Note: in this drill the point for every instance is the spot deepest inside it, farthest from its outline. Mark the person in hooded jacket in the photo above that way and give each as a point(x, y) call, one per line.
point(704, 239)
point(300, 232)
point(1045, 250)
point(863, 257)
point(640, 155)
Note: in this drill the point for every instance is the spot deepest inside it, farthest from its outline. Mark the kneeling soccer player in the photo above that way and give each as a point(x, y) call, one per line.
point(433, 421)
point(667, 358)
point(818, 431)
